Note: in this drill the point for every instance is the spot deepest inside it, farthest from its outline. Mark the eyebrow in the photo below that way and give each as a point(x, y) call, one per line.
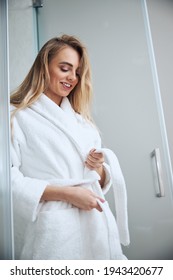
point(66, 63)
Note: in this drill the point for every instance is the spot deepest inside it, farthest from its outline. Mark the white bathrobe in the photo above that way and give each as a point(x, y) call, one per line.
point(50, 144)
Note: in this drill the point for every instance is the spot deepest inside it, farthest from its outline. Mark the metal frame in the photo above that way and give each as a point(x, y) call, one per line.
point(156, 154)
point(37, 3)
point(6, 221)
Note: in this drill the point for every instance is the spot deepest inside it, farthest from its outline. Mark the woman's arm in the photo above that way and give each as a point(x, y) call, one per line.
point(78, 196)
point(95, 162)
point(102, 174)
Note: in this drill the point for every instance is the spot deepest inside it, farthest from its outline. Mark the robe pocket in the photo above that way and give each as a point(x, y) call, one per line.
point(58, 235)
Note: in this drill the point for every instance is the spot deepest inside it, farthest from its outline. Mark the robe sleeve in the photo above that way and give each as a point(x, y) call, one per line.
point(108, 180)
point(120, 196)
point(26, 191)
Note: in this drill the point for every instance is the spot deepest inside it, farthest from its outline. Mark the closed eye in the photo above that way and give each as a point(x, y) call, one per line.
point(64, 69)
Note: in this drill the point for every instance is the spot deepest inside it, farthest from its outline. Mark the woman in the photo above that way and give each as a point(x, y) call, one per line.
point(59, 171)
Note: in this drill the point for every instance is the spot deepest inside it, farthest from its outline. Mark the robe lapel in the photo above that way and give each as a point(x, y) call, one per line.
point(63, 118)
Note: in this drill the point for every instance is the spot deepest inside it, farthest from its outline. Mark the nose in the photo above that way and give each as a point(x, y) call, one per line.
point(72, 76)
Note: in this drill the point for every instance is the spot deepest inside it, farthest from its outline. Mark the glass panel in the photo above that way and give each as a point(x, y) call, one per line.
point(6, 238)
point(161, 113)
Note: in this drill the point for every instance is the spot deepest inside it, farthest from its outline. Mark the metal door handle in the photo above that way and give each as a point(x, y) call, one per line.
point(156, 154)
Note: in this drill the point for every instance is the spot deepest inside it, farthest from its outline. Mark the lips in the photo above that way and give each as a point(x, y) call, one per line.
point(66, 85)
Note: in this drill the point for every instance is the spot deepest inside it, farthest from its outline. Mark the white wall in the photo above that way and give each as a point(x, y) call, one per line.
point(22, 39)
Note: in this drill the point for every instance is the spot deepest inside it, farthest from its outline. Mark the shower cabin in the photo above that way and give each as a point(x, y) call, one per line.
point(130, 51)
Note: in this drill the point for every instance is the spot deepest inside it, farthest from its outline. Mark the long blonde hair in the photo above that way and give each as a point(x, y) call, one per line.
point(38, 77)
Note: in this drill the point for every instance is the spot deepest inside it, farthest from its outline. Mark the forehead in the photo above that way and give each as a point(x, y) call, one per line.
point(67, 54)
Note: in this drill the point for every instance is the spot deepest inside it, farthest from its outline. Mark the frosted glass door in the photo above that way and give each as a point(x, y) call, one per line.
point(6, 237)
point(126, 109)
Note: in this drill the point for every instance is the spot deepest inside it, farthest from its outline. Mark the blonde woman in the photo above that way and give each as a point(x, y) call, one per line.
point(60, 173)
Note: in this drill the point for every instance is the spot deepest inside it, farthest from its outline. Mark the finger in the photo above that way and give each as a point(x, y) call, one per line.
point(89, 166)
point(92, 150)
point(101, 199)
point(99, 208)
point(96, 158)
point(92, 159)
point(97, 155)
point(93, 165)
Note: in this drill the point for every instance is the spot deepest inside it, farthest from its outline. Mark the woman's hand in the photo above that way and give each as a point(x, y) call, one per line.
point(83, 198)
point(94, 161)
point(78, 196)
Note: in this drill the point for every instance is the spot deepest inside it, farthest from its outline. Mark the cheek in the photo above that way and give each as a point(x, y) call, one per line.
point(55, 81)
point(77, 82)
point(55, 76)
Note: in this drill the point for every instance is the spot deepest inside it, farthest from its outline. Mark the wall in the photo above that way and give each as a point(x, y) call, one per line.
point(22, 39)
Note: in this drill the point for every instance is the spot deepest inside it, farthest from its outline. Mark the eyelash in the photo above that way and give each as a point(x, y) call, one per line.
point(66, 70)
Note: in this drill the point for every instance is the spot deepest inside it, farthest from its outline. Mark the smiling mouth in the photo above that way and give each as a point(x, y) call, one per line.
point(66, 85)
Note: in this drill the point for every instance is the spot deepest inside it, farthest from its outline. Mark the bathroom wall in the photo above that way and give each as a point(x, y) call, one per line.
point(22, 39)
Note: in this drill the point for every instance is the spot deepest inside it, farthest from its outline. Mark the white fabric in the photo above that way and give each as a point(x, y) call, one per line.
point(50, 144)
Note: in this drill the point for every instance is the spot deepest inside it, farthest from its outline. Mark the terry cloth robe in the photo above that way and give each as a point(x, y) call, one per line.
point(49, 146)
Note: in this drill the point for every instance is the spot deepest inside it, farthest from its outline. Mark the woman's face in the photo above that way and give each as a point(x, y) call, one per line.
point(64, 74)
